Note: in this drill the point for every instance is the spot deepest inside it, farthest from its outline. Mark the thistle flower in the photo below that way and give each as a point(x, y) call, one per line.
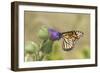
point(54, 35)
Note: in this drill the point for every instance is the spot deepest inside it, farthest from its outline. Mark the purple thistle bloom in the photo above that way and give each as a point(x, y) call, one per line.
point(54, 35)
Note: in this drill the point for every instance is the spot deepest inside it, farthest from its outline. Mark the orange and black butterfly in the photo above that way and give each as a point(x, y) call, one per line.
point(69, 38)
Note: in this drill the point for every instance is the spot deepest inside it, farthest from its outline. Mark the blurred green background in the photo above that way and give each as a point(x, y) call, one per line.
point(61, 22)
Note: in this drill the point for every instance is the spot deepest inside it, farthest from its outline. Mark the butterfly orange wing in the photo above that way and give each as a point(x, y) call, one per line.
point(69, 39)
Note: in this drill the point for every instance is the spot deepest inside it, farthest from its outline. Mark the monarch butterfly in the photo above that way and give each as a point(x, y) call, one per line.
point(69, 38)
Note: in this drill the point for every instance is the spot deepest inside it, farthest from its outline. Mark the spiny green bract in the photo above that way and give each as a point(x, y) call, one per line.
point(31, 47)
point(43, 33)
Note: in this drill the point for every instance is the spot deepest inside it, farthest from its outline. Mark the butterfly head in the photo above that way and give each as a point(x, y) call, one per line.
point(54, 35)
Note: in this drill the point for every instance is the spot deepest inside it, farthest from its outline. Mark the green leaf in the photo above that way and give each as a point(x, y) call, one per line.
point(47, 46)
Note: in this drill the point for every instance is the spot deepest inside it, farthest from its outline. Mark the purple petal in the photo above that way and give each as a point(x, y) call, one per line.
point(53, 35)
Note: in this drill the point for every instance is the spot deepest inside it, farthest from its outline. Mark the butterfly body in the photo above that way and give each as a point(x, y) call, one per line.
point(69, 38)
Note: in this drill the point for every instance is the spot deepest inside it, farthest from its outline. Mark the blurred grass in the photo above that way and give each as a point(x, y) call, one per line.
point(56, 54)
point(86, 53)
